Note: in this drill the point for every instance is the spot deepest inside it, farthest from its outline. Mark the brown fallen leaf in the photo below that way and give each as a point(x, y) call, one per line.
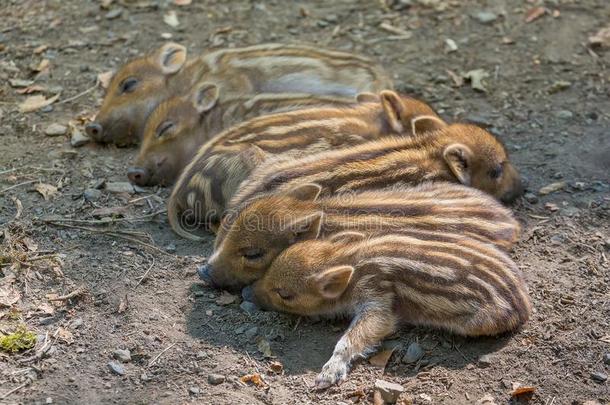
point(104, 78)
point(34, 103)
point(35, 88)
point(255, 379)
point(276, 367)
point(381, 358)
point(458, 81)
point(263, 346)
point(113, 212)
point(44, 64)
point(64, 335)
point(40, 49)
point(171, 19)
point(601, 39)
point(226, 298)
point(46, 190)
point(8, 296)
point(46, 308)
point(123, 304)
point(30, 244)
point(535, 13)
point(551, 207)
point(523, 391)
point(182, 2)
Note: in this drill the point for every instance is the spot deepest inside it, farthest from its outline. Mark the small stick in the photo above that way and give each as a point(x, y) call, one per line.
point(160, 354)
point(8, 171)
point(79, 95)
point(297, 324)
point(17, 185)
point(15, 389)
point(79, 291)
point(145, 274)
point(17, 202)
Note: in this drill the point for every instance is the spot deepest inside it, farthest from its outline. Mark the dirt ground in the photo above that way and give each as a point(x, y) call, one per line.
point(134, 282)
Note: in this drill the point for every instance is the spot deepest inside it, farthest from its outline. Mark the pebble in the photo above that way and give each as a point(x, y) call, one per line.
point(47, 109)
point(607, 358)
point(116, 368)
point(250, 333)
point(564, 114)
point(216, 379)
point(201, 354)
point(389, 391)
point(579, 185)
point(552, 188)
point(485, 360)
point(120, 187)
point(485, 17)
point(92, 194)
point(78, 139)
point(56, 130)
point(599, 376)
point(114, 13)
point(171, 248)
point(122, 355)
point(194, 390)
point(144, 377)
point(414, 353)
point(531, 198)
point(248, 307)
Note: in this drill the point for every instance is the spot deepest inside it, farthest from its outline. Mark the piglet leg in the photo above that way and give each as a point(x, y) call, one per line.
point(367, 329)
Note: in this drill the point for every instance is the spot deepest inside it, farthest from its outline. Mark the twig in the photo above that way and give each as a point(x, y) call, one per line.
point(160, 354)
point(79, 291)
point(106, 221)
point(296, 325)
point(82, 93)
point(19, 205)
point(43, 349)
point(17, 185)
point(145, 274)
point(15, 389)
point(8, 171)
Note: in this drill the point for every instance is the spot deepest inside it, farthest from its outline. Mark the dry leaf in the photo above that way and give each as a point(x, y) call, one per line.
point(381, 358)
point(30, 244)
point(171, 19)
point(40, 49)
point(32, 89)
point(20, 82)
point(534, 14)
point(601, 39)
point(44, 64)
point(182, 2)
point(522, 391)
point(46, 308)
point(64, 335)
point(104, 78)
point(226, 298)
point(458, 81)
point(46, 190)
point(476, 78)
point(34, 103)
point(276, 367)
point(255, 379)
point(123, 305)
point(8, 296)
point(263, 346)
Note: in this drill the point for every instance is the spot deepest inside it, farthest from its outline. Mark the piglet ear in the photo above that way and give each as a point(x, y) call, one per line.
point(332, 282)
point(366, 97)
point(347, 237)
point(394, 110)
point(305, 192)
point(426, 123)
point(306, 227)
point(254, 156)
point(459, 158)
point(205, 97)
point(170, 57)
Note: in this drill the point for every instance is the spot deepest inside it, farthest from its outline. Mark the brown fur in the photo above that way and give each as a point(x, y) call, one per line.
point(388, 161)
point(268, 68)
point(252, 236)
point(210, 180)
point(163, 156)
point(448, 281)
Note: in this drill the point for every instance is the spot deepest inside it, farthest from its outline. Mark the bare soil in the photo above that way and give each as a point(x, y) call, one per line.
point(547, 98)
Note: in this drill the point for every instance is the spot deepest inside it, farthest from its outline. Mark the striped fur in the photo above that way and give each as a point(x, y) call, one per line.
point(270, 224)
point(268, 68)
point(176, 129)
point(448, 281)
point(389, 161)
point(229, 158)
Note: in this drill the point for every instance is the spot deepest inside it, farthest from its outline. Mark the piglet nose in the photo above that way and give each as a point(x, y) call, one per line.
point(204, 273)
point(138, 175)
point(95, 130)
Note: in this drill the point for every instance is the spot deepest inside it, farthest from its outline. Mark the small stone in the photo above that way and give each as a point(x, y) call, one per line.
point(250, 333)
point(216, 379)
point(144, 377)
point(579, 185)
point(599, 376)
point(552, 188)
point(48, 400)
point(120, 187)
point(414, 353)
point(201, 354)
point(194, 390)
point(56, 130)
point(76, 323)
point(531, 198)
point(564, 114)
point(92, 194)
point(485, 17)
point(47, 109)
point(389, 391)
point(171, 248)
point(122, 355)
point(425, 397)
point(248, 307)
point(114, 13)
point(78, 139)
point(166, 35)
point(485, 360)
point(607, 355)
point(116, 368)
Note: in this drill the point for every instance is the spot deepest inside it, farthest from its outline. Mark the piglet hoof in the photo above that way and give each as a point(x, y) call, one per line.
point(333, 372)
